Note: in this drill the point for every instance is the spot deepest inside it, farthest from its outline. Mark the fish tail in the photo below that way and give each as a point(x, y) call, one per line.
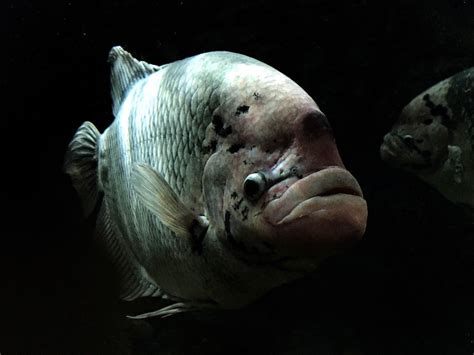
point(80, 164)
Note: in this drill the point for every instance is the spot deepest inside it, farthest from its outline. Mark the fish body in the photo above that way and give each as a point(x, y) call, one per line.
point(434, 138)
point(220, 180)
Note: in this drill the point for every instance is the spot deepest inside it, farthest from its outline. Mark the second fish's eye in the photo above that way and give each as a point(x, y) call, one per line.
point(254, 186)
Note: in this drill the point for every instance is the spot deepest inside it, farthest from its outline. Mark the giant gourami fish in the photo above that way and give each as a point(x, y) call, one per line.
point(218, 180)
point(434, 138)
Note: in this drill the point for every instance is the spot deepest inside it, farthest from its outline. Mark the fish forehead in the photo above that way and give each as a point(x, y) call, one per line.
point(272, 101)
point(423, 105)
point(260, 81)
point(240, 81)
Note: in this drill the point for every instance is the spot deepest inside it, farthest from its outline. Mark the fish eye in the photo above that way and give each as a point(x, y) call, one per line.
point(408, 139)
point(254, 186)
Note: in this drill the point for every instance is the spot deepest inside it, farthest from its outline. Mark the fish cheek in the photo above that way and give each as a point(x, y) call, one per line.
point(214, 181)
point(221, 188)
point(226, 206)
point(422, 146)
point(437, 137)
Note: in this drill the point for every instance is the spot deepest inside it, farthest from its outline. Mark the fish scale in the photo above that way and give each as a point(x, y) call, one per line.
point(168, 148)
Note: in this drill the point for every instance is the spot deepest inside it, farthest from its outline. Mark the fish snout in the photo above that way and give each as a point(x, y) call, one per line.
point(312, 125)
point(392, 145)
point(315, 143)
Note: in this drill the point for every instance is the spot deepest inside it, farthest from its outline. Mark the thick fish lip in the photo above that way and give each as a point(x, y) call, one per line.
point(390, 148)
point(311, 193)
point(396, 153)
point(317, 216)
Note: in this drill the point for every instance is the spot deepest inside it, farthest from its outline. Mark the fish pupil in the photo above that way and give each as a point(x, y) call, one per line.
point(254, 185)
point(251, 188)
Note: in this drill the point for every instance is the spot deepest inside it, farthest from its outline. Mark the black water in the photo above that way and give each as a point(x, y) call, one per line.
point(406, 289)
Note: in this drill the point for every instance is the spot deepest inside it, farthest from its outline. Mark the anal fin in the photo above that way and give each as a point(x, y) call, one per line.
point(132, 279)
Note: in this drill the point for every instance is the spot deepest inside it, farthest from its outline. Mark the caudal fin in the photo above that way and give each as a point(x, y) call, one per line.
point(81, 165)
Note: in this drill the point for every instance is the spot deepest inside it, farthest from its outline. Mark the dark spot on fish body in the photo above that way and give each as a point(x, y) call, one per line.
point(217, 122)
point(211, 148)
point(257, 96)
point(229, 235)
point(236, 205)
point(439, 110)
point(234, 148)
point(219, 128)
point(245, 213)
point(242, 109)
point(233, 195)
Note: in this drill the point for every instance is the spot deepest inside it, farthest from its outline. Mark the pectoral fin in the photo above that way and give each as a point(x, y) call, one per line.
point(162, 201)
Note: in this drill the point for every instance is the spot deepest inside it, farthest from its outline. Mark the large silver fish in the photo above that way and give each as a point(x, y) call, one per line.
point(220, 180)
point(434, 138)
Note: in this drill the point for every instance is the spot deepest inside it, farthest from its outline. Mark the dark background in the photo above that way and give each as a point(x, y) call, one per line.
point(406, 289)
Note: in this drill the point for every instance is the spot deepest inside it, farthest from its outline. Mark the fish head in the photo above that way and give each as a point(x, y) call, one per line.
point(419, 141)
point(276, 184)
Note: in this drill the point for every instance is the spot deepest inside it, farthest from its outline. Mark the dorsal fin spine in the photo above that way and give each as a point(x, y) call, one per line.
point(125, 72)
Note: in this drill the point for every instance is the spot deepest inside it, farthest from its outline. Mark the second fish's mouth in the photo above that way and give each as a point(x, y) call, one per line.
point(318, 190)
point(401, 152)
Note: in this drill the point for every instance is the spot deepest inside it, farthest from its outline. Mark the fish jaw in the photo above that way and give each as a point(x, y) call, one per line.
point(394, 151)
point(317, 215)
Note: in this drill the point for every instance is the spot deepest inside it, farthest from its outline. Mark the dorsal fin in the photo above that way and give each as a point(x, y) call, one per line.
point(125, 72)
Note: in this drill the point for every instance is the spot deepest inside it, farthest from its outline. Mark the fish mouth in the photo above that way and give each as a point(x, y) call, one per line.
point(325, 209)
point(398, 153)
point(391, 147)
point(303, 196)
